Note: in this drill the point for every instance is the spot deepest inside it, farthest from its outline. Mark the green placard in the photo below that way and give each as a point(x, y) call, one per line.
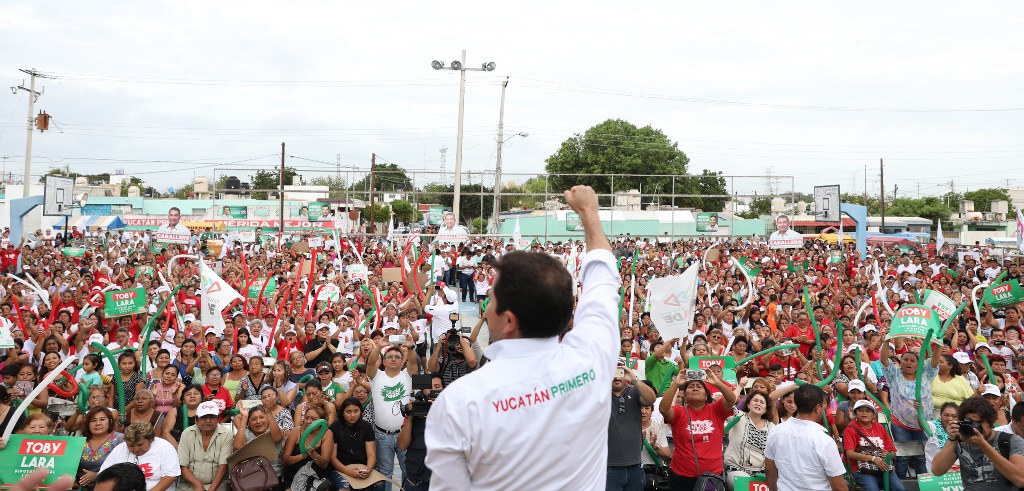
point(142, 270)
point(435, 215)
point(758, 483)
point(749, 266)
point(916, 321)
point(572, 221)
point(157, 247)
point(798, 266)
point(317, 213)
point(707, 222)
point(949, 481)
point(24, 453)
point(1004, 294)
point(74, 251)
point(257, 286)
point(232, 212)
point(727, 363)
point(119, 303)
point(835, 257)
point(941, 304)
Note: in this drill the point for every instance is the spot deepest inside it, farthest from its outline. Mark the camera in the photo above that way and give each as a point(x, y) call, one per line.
point(696, 375)
point(969, 428)
point(421, 400)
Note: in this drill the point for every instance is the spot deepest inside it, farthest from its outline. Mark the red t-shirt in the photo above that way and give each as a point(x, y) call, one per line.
point(284, 349)
point(794, 332)
point(222, 398)
point(790, 365)
point(708, 425)
point(877, 434)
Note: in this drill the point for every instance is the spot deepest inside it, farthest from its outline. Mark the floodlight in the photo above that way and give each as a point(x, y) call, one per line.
point(437, 65)
point(489, 66)
point(456, 65)
point(524, 134)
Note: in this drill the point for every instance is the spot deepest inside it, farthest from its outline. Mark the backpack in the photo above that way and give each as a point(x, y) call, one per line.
point(254, 474)
point(1003, 442)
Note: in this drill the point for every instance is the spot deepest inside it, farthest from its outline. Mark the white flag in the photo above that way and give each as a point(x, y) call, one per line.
point(391, 230)
point(216, 295)
point(672, 303)
point(1020, 229)
point(517, 233)
point(939, 239)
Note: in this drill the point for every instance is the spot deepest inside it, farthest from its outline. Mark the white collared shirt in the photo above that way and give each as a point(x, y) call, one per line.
point(498, 427)
point(804, 456)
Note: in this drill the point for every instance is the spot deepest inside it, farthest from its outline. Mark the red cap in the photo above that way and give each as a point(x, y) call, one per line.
point(441, 284)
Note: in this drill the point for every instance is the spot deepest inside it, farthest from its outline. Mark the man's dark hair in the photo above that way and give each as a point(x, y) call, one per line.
point(126, 477)
point(979, 406)
point(173, 208)
point(807, 397)
point(538, 290)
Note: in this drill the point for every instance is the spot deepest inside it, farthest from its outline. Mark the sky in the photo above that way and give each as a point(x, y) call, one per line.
point(811, 93)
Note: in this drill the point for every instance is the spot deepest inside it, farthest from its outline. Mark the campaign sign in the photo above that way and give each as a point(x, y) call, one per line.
point(835, 257)
point(727, 363)
point(1004, 294)
point(144, 270)
point(572, 221)
point(435, 214)
point(941, 304)
point(25, 453)
point(247, 236)
point(743, 483)
point(707, 222)
point(172, 237)
point(315, 242)
point(916, 321)
point(357, 272)
point(74, 251)
point(949, 481)
point(119, 303)
point(257, 286)
point(329, 293)
point(749, 266)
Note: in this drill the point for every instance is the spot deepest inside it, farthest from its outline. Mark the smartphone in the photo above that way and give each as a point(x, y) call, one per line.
point(696, 375)
point(396, 339)
point(999, 342)
point(620, 372)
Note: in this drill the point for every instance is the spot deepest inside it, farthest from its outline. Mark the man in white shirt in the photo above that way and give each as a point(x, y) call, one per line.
point(391, 389)
point(498, 427)
point(441, 305)
point(799, 455)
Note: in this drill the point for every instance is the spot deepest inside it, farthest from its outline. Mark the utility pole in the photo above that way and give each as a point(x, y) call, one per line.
point(30, 124)
point(373, 163)
point(497, 167)
point(865, 185)
point(881, 177)
point(280, 230)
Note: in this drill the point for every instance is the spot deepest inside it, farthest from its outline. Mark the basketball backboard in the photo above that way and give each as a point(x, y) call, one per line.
point(58, 196)
point(826, 203)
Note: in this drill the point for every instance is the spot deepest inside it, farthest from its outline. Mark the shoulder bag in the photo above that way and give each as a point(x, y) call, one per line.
point(254, 474)
point(869, 468)
point(706, 481)
point(656, 474)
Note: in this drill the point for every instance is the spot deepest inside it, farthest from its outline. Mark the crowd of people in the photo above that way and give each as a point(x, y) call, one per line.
point(372, 359)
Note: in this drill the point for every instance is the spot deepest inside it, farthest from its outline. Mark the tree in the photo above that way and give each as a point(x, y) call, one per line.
point(335, 184)
point(872, 203)
point(434, 192)
point(527, 195)
point(616, 147)
point(931, 207)
point(265, 180)
point(404, 211)
point(381, 212)
point(387, 177)
point(761, 205)
point(184, 192)
point(707, 184)
point(983, 199)
point(479, 226)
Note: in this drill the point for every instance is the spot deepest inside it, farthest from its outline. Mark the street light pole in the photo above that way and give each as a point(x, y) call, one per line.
point(461, 67)
point(496, 214)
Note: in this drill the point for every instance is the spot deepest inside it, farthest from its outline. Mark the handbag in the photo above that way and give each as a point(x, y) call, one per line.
point(869, 468)
point(656, 474)
point(706, 481)
point(254, 474)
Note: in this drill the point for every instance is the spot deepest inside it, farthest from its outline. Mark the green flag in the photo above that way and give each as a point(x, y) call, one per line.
point(749, 266)
point(798, 266)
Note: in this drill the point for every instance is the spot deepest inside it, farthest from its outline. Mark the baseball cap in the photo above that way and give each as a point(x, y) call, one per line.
point(96, 338)
point(189, 318)
point(864, 403)
point(962, 358)
point(208, 408)
point(856, 385)
point(210, 330)
point(991, 390)
point(451, 295)
point(982, 345)
point(324, 367)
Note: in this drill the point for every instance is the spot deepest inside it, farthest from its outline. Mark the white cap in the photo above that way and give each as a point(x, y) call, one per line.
point(189, 318)
point(991, 390)
point(96, 338)
point(451, 295)
point(856, 385)
point(961, 357)
point(208, 408)
point(864, 403)
point(982, 345)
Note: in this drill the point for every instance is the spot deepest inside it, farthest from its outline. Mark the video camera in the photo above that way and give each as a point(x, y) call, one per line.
point(421, 401)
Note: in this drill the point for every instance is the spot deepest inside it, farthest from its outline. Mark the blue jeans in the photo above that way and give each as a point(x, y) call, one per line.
point(387, 447)
point(625, 478)
point(902, 464)
point(875, 483)
point(467, 287)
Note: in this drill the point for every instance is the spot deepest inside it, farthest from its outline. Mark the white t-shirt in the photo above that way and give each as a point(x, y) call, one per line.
point(389, 395)
point(160, 461)
point(804, 455)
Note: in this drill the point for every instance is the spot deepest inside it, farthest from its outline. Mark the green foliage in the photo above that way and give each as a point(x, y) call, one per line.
point(404, 211)
point(528, 195)
point(874, 206)
point(184, 192)
point(707, 184)
point(759, 206)
point(471, 204)
point(932, 208)
point(479, 226)
point(433, 193)
point(335, 184)
point(381, 212)
point(387, 177)
point(983, 199)
point(617, 147)
point(94, 179)
point(265, 180)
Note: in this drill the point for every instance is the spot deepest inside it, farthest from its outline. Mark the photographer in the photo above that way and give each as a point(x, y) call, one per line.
point(412, 442)
point(988, 460)
point(453, 358)
point(440, 307)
